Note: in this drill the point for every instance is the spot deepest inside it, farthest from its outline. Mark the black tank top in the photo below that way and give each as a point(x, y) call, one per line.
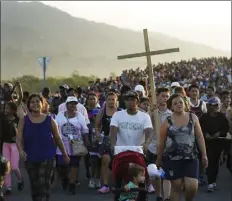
point(197, 110)
point(106, 122)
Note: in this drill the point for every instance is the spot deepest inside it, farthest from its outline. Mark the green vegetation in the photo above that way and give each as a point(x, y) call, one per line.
point(34, 84)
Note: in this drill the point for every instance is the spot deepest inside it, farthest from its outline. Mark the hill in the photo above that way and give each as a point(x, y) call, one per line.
point(33, 29)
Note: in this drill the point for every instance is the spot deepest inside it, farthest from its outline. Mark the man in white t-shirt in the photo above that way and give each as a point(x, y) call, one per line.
point(131, 127)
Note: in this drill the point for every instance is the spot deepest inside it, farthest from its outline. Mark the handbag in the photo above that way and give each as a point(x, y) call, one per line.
point(77, 145)
point(78, 148)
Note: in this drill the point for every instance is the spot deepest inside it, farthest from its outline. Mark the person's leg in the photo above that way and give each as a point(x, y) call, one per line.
point(15, 165)
point(191, 186)
point(6, 152)
point(32, 171)
point(74, 169)
point(94, 166)
point(176, 186)
point(63, 172)
point(166, 189)
point(45, 171)
point(105, 160)
point(87, 165)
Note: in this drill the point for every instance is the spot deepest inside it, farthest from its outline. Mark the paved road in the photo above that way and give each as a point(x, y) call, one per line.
point(84, 194)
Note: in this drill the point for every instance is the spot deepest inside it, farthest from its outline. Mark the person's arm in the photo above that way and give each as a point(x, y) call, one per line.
point(20, 91)
point(98, 121)
point(113, 129)
point(85, 114)
point(204, 125)
point(84, 128)
point(163, 137)
point(148, 129)
point(19, 137)
point(224, 126)
point(57, 138)
point(199, 135)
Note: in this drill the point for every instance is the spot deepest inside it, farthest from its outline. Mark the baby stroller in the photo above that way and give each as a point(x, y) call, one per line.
point(120, 167)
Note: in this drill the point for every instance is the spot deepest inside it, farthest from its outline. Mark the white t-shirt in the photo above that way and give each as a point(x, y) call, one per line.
point(130, 127)
point(75, 126)
point(153, 145)
point(80, 108)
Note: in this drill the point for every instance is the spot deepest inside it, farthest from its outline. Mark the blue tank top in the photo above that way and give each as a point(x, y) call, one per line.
point(38, 140)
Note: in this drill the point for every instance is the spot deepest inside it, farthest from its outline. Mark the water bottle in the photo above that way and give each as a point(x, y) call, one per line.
point(102, 138)
point(161, 173)
point(94, 136)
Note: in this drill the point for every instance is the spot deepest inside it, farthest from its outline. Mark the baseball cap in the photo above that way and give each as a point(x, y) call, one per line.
point(140, 88)
point(214, 101)
point(71, 99)
point(175, 84)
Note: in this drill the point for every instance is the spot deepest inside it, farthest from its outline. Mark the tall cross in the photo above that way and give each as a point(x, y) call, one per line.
point(148, 54)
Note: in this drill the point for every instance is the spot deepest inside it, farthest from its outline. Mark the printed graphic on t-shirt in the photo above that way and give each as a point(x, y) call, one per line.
point(134, 126)
point(68, 129)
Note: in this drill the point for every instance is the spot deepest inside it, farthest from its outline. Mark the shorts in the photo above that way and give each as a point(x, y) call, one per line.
point(151, 158)
point(178, 169)
point(74, 161)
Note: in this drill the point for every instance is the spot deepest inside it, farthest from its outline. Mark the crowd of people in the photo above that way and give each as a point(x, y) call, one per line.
point(195, 114)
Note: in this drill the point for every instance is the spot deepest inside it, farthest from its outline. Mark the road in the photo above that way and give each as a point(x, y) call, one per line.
point(84, 194)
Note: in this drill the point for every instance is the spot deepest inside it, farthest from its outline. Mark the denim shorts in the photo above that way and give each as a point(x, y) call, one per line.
point(74, 161)
point(178, 169)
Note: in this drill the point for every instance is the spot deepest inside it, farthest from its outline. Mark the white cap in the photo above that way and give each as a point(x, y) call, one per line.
point(140, 88)
point(71, 99)
point(175, 84)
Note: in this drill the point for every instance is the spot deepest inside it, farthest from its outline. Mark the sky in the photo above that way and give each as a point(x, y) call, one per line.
point(207, 22)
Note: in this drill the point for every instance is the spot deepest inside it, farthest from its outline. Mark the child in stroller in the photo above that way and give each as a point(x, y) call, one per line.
point(137, 173)
point(129, 167)
point(4, 170)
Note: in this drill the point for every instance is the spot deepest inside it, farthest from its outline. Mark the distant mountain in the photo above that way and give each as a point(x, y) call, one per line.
point(33, 29)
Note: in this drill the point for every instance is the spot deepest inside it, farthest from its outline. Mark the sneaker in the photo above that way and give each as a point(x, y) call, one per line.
point(72, 189)
point(104, 189)
point(159, 199)
point(97, 183)
point(215, 186)
point(201, 181)
point(210, 188)
point(92, 183)
point(20, 185)
point(151, 189)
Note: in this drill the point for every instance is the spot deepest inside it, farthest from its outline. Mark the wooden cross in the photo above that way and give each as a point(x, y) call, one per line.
point(148, 54)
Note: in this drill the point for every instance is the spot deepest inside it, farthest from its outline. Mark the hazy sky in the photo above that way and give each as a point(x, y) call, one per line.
point(206, 22)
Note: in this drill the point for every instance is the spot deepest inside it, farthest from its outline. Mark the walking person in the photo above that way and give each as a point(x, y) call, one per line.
point(179, 154)
point(72, 127)
point(162, 97)
point(214, 126)
point(102, 126)
point(10, 151)
point(93, 156)
point(37, 138)
point(198, 107)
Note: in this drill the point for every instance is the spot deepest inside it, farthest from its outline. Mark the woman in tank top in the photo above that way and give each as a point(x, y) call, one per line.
point(177, 148)
point(103, 127)
point(37, 138)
